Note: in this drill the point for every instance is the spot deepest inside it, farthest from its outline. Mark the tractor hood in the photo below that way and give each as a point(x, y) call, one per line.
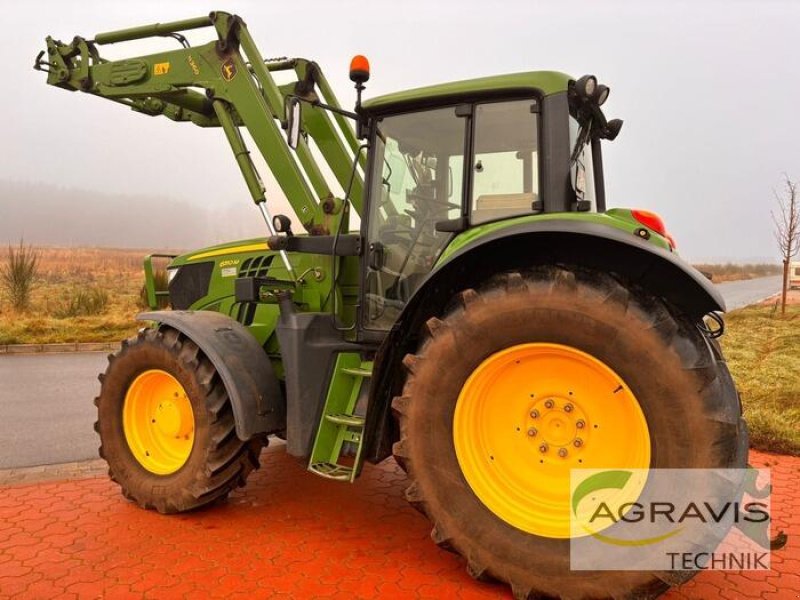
point(235, 247)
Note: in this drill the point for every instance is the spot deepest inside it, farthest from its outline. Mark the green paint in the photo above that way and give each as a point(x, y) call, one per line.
point(617, 218)
point(546, 82)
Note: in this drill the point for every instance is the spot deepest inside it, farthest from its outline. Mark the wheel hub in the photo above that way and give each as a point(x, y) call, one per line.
point(558, 422)
point(158, 422)
point(531, 413)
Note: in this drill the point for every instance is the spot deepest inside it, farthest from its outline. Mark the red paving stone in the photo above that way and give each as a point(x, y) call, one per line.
point(288, 534)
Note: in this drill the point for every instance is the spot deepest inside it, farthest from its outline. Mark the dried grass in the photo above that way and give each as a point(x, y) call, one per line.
point(18, 275)
point(108, 281)
point(735, 272)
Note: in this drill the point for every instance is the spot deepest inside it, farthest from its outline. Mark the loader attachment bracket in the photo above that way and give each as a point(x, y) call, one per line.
point(341, 245)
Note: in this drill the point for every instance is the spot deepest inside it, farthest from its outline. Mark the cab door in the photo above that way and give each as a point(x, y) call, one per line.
point(416, 181)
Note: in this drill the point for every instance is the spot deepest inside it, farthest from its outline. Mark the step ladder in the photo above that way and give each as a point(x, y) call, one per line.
point(339, 423)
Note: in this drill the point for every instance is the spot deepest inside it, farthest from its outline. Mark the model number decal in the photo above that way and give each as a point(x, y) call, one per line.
point(193, 65)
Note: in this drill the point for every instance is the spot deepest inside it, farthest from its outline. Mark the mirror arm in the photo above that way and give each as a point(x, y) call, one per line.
point(335, 109)
point(360, 119)
point(322, 105)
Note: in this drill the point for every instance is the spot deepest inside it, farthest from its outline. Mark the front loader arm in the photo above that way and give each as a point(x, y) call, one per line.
point(224, 83)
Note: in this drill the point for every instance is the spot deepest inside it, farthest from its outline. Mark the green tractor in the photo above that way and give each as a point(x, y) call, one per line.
point(489, 322)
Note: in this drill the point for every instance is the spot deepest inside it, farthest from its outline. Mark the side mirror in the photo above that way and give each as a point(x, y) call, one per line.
point(294, 115)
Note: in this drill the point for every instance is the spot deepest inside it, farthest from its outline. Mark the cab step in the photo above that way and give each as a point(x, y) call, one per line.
point(348, 420)
point(332, 471)
point(359, 372)
point(340, 428)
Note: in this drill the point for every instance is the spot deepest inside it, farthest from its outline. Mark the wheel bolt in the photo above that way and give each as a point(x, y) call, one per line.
point(562, 452)
point(543, 448)
point(548, 404)
point(578, 442)
point(534, 414)
point(568, 408)
point(532, 432)
point(580, 424)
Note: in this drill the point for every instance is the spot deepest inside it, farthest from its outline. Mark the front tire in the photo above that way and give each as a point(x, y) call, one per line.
point(166, 425)
point(665, 367)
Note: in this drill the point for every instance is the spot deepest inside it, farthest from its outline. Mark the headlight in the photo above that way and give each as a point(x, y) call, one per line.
point(171, 273)
point(602, 94)
point(586, 86)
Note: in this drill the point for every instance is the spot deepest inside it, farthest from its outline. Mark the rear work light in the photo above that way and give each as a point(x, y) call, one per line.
point(653, 222)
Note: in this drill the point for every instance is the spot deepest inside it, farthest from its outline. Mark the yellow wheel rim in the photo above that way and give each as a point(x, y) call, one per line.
point(529, 414)
point(158, 422)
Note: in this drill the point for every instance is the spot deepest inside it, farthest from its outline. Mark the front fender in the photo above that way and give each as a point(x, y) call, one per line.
point(256, 398)
point(475, 256)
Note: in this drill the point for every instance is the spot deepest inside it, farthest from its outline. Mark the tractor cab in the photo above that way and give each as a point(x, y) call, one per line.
point(433, 172)
point(451, 157)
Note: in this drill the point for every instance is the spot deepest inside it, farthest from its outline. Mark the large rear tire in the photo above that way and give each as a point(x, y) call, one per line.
point(166, 425)
point(518, 332)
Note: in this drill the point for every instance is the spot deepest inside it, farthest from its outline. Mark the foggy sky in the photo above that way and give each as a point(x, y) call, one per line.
point(706, 90)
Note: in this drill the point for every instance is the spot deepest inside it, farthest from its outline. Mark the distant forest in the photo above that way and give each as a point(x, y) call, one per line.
point(51, 215)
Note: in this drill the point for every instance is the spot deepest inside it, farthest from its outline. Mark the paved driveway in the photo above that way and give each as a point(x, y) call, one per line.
point(288, 534)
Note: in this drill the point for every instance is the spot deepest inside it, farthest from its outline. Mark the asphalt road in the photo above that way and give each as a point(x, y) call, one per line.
point(748, 291)
point(46, 409)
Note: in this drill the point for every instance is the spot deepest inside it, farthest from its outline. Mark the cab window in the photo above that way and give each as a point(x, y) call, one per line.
point(505, 168)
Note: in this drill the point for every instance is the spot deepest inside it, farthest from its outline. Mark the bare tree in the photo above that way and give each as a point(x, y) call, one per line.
point(787, 230)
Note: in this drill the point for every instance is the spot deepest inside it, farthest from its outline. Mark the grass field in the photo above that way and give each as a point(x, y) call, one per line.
point(763, 353)
point(62, 273)
point(763, 349)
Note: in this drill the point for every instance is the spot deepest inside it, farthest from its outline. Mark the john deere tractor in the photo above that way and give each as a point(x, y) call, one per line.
point(489, 322)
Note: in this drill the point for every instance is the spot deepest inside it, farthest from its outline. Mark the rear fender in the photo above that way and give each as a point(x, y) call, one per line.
point(519, 246)
point(256, 397)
